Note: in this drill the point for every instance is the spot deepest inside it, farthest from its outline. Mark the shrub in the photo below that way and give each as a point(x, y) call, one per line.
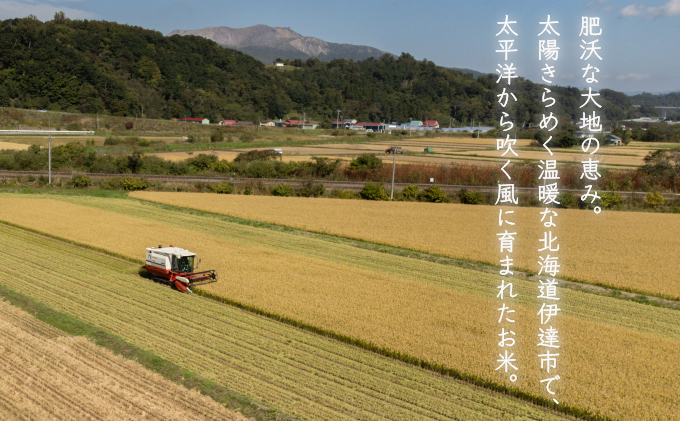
point(81, 181)
point(247, 137)
point(284, 190)
point(433, 194)
point(335, 132)
point(371, 135)
point(374, 191)
point(323, 167)
point(311, 189)
point(609, 200)
point(248, 190)
point(341, 194)
point(129, 125)
point(217, 136)
point(202, 162)
point(114, 183)
point(654, 199)
point(222, 188)
point(366, 161)
point(133, 184)
point(260, 169)
point(567, 200)
point(257, 155)
point(470, 197)
point(410, 193)
point(192, 138)
point(351, 133)
point(112, 141)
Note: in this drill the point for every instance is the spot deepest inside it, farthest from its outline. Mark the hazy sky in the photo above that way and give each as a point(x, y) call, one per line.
point(640, 41)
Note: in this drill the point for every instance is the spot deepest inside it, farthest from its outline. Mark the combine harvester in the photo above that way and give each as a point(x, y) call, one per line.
point(175, 266)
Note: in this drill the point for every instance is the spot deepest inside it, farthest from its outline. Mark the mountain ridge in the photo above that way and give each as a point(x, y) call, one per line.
point(266, 43)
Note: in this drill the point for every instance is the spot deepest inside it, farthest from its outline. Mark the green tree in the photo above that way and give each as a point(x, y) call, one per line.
point(366, 162)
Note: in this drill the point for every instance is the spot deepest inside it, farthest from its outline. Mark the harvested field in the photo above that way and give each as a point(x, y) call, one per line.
point(8, 146)
point(572, 157)
point(49, 376)
point(390, 311)
point(302, 373)
point(626, 250)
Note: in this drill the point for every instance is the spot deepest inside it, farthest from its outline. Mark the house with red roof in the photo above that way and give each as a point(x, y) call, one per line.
point(227, 123)
point(431, 123)
point(196, 120)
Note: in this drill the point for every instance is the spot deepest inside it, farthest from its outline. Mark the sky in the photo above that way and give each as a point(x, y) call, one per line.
point(640, 42)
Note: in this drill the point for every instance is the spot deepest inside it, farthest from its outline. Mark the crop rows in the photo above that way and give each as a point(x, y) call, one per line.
point(49, 376)
point(588, 307)
point(298, 372)
point(422, 320)
point(621, 249)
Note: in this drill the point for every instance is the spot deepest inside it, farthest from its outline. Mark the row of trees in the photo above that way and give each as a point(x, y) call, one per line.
point(661, 169)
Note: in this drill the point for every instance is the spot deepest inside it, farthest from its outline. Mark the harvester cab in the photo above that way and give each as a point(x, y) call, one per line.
point(175, 266)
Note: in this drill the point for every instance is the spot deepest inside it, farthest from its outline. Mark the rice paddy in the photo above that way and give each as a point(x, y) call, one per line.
point(428, 320)
point(304, 374)
point(625, 250)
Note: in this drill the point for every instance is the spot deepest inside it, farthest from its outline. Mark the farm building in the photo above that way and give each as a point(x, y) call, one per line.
point(244, 123)
point(227, 123)
point(196, 120)
point(431, 123)
point(341, 125)
point(613, 140)
point(376, 127)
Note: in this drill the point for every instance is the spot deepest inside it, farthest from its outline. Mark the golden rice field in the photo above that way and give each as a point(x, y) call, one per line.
point(304, 374)
point(424, 320)
point(627, 250)
point(48, 376)
point(587, 307)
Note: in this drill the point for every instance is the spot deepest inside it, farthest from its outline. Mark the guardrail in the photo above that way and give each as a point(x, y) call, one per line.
point(50, 132)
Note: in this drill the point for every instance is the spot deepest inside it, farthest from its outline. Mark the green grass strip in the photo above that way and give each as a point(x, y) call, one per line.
point(170, 371)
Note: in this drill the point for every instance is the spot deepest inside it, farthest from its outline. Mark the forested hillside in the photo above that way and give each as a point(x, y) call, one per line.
point(98, 66)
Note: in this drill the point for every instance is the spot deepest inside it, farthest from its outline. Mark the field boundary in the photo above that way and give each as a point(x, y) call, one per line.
point(158, 364)
point(169, 370)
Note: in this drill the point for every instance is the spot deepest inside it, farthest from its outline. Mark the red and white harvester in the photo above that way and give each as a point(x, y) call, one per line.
point(175, 266)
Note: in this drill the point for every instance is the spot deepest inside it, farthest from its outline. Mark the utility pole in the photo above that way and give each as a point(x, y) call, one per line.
point(394, 164)
point(337, 126)
point(258, 124)
point(49, 159)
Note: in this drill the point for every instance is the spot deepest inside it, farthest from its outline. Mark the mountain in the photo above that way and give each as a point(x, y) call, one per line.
point(266, 43)
point(108, 68)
